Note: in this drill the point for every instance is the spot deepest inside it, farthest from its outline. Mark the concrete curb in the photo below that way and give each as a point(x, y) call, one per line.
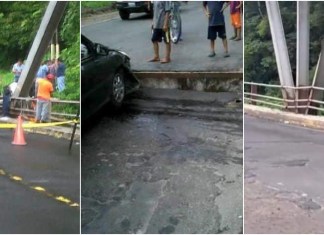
point(197, 81)
point(315, 122)
point(57, 132)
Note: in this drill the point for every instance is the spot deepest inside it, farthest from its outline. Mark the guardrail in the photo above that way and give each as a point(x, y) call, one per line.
point(306, 104)
point(61, 110)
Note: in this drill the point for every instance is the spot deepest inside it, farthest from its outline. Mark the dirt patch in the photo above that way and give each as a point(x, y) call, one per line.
point(267, 213)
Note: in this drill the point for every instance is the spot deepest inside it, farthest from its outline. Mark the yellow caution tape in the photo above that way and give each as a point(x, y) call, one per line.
point(35, 125)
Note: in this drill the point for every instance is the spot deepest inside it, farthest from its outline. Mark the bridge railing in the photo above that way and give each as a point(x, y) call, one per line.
point(61, 110)
point(253, 96)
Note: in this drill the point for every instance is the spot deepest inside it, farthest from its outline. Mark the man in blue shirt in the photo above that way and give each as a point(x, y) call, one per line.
point(216, 24)
point(60, 74)
point(43, 69)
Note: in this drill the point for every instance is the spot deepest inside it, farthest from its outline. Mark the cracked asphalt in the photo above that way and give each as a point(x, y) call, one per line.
point(148, 171)
point(34, 182)
point(283, 189)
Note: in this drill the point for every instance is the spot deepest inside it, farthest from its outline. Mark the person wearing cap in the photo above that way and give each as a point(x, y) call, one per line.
point(44, 90)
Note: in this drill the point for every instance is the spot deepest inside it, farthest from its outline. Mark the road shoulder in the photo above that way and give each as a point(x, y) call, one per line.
point(315, 122)
point(90, 19)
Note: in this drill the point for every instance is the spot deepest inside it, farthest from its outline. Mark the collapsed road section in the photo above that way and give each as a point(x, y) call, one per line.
point(167, 161)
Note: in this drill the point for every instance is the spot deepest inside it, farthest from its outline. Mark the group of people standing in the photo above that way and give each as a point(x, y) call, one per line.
point(55, 67)
point(51, 73)
point(216, 26)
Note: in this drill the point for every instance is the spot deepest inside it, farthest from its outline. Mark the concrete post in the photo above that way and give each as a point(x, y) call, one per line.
point(52, 49)
point(254, 90)
point(49, 24)
point(57, 46)
point(302, 73)
point(319, 79)
point(280, 48)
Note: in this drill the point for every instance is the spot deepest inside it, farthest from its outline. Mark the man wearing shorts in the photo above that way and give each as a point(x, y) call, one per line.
point(235, 10)
point(160, 29)
point(216, 24)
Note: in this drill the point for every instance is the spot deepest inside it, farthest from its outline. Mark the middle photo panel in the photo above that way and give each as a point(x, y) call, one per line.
point(162, 117)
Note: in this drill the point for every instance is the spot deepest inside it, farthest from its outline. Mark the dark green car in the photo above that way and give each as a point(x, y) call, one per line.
point(125, 8)
point(106, 76)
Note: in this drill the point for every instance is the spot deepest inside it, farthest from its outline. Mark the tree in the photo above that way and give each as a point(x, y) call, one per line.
point(19, 24)
point(70, 35)
point(259, 59)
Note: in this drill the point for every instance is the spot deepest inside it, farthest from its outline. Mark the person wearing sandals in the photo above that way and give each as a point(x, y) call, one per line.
point(216, 25)
point(160, 29)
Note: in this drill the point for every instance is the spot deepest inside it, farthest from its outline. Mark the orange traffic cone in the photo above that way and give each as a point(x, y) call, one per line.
point(19, 138)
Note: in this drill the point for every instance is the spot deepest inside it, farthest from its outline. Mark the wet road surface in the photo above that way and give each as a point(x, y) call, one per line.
point(35, 180)
point(149, 171)
point(134, 37)
point(284, 165)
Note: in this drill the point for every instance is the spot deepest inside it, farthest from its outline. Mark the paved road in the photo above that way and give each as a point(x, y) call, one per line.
point(133, 37)
point(160, 167)
point(284, 175)
point(44, 163)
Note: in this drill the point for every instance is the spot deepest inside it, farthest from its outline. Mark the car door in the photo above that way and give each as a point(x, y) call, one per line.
point(107, 68)
point(94, 78)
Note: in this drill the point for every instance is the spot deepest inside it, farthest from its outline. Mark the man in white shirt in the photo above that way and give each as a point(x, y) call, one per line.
point(17, 69)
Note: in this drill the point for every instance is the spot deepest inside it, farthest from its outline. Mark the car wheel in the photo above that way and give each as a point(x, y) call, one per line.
point(118, 88)
point(124, 15)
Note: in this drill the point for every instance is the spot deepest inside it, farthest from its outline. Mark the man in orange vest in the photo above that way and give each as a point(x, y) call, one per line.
point(44, 89)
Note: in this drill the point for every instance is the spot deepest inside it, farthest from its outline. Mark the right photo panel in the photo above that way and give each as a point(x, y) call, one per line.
point(283, 117)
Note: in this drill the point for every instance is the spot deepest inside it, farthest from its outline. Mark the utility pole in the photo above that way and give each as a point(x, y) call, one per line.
point(302, 73)
point(49, 24)
point(280, 48)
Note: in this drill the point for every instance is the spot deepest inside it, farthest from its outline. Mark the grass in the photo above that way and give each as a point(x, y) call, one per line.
point(93, 5)
point(5, 79)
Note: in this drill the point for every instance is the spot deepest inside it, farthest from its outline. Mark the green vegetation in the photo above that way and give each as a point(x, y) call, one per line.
point(70, 34)
point(5, 79)
point(259, 59)
point(20, 22)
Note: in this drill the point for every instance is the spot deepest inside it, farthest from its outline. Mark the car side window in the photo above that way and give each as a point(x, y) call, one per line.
point(84, 51)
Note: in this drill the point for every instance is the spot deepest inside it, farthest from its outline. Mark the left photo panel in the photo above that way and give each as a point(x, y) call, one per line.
point(39, 117)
